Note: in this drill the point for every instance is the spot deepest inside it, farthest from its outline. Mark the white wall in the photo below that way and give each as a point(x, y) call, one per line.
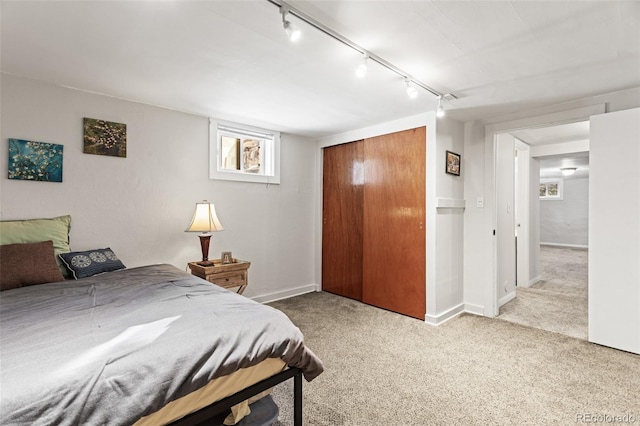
point(477, 245)
point(614, 231)
point(565, 222)
point(447, 299)
point(141, 205)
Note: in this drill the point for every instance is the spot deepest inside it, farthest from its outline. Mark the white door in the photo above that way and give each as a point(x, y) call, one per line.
point(505, 218)
point(614, 230)
point(522, 213)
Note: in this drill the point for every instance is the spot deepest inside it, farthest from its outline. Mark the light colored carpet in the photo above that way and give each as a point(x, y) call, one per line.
point(383, 368)
point(558, 302)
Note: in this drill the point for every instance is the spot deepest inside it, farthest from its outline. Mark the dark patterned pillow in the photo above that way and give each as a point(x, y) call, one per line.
point(83, 264)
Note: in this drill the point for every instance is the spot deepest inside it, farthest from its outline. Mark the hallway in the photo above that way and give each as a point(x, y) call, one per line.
point(559, 301)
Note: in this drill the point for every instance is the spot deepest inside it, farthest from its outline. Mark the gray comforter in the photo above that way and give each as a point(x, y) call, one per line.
point(115, 347)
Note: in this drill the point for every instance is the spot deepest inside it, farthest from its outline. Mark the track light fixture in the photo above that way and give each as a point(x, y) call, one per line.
point(440, 110)
point(411, 90)
point(361, 71)
point(292, 31)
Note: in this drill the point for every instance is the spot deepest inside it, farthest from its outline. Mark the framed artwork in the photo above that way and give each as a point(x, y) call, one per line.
point(226, 257)
point(105, 137)
point(38, 161)
point(453, 163)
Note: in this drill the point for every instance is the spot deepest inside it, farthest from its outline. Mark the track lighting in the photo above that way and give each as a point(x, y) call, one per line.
point(292, 31)
point(568, 171)
point(440, 110)
point(361, 71)
point(411, 91)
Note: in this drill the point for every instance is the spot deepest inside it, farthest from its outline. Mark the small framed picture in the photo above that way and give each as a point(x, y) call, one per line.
point(453, 163)
point(226, 257)
point(105, 137)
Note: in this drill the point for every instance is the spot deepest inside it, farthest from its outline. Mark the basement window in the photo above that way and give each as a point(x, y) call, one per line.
point(551, 189)
point(243, 153)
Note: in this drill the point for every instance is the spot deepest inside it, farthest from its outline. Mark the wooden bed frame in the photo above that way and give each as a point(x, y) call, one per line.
point(224, 405)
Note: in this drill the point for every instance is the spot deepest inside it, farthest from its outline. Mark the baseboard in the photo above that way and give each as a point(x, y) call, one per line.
point(453, 312)
point(285, 294)
point(575, 246)
point(474, 309)
point(445, 316)
point(508, 298)
point(531, 282)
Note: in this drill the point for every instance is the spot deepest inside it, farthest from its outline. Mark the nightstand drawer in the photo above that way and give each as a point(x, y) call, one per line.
point(230, 279)
point(227, 275)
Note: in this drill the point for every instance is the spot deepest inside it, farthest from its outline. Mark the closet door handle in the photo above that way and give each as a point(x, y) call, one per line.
point(421, 225)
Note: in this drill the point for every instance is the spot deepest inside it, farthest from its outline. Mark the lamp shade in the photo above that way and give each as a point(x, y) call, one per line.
point(205, 219)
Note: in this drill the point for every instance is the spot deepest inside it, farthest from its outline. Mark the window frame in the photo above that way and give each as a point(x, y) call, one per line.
point(560, 195)
point(271, 166)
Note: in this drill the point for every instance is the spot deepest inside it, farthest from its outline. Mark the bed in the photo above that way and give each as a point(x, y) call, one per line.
point(147, 345)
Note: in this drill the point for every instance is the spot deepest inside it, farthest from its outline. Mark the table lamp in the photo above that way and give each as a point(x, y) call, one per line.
point(205, 221)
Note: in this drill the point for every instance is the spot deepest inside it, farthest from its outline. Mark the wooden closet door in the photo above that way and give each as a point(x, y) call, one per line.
point(342, 219)
point(394, 222)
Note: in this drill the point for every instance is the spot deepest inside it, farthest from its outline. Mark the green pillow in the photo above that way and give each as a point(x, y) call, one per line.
point(35, 230)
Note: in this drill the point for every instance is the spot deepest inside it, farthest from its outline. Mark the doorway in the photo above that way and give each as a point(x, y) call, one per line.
point(559, 301)
point(550, 228)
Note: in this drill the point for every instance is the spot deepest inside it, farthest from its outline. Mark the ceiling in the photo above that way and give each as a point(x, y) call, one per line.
point(232, 60)
point(561, 133)
point(550, 166)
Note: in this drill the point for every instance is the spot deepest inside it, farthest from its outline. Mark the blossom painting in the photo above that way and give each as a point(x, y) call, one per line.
point(39, 161)
point(105, 138)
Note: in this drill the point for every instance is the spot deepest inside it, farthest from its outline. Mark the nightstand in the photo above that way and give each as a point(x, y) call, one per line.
point(229, 275)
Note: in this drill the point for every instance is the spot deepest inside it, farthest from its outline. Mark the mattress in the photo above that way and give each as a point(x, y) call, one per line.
point(216, 390)
point(117, 347)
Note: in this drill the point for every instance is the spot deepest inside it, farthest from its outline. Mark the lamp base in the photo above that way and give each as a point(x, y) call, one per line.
point(204, 245)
